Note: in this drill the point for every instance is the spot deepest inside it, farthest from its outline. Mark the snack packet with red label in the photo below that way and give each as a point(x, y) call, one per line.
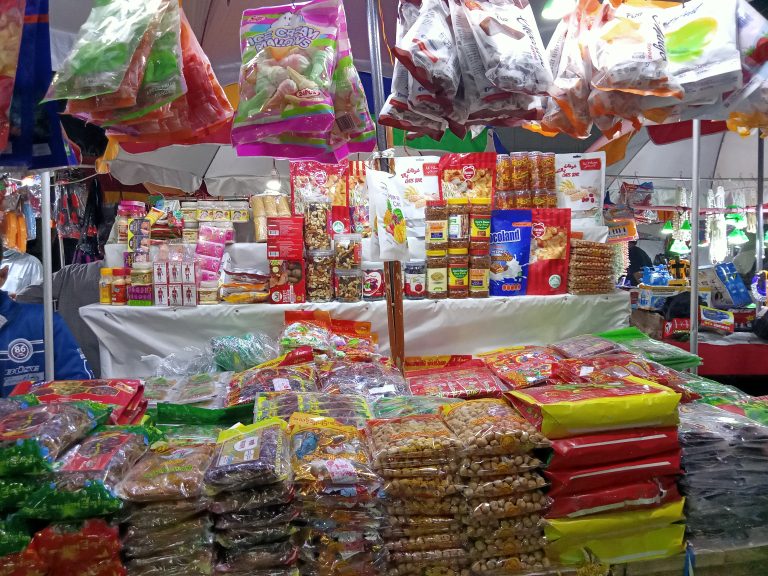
point(353, 340)
point(416, 363)
point(470, 380)
point(468, 175)
point(550, 251)
point(311, 328)
point(522, 366)
point(73, 548)
point(315, 182)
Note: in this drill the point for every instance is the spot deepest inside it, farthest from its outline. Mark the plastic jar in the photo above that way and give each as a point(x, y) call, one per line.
point(436, 225)
point(458, 223)
point(320, 275)
point(503, 172)
point(105, 286)
point(479, 223)
point(479, 273)
point(349, 251)
point(208, 293)
point(123, 214)
point(120, 283)
point(141, 274)
point(437, 274)
point(458, 273)
point(317, 215)
point(415, 277)
point(374, 287)
point(349, 285)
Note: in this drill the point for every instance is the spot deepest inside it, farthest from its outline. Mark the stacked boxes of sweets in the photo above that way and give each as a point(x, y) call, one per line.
point(340, 496)
point(166, 528)
point(725, 482)
point(503, 500)
point(413, 454)
point(614, 464)
point(250, 481)
point(591, 270)
point(175, 282)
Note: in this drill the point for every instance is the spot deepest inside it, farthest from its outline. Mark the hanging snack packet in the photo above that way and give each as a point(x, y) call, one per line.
point(387, 198)
point(628, 51)
point(288, 60)
point(249, 456)
point(428, 51)
point(11, 27)
point(359, 206)
point(315, 187)
point(109, 55)
point(510, 45)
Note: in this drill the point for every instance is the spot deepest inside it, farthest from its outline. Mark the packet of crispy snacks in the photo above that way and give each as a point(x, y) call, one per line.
point(550, 251)
point(468, 175)
point(359, 206)
point(510, 45)
point(314, 182)
point(420, 178)
point(386, 194)
point(580, 182)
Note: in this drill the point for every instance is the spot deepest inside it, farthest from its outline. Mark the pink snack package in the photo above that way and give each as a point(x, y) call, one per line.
point(288, 62)
point(211, 249)
point(217, 234)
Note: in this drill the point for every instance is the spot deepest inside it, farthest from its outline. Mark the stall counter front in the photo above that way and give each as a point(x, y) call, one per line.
point(127, 334)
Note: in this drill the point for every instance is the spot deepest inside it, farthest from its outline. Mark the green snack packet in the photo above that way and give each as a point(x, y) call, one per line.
point(15, 491)
point(15, 535)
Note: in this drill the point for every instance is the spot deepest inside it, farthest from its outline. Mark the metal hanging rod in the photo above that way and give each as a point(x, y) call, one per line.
point(637, 177)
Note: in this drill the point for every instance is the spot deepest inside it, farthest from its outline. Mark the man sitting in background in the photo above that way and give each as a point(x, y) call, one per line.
point(22, 346)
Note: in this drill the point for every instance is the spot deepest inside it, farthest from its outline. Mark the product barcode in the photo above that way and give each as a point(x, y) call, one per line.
point(345, 122)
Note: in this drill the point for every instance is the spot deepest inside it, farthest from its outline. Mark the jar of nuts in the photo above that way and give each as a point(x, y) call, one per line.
point(320, 275)
point(349, 285)
point(317, 215)
point(349, 251)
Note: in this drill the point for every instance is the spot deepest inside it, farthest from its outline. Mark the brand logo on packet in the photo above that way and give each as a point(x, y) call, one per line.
point(320, 177)
point(431, 169)
point(538, 229)
point(590, 164)
point(468, 172)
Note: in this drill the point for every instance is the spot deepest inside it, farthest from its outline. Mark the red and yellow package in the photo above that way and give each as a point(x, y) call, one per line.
point(522, 366)
point(415, 363)
point(12, 24)
point(470, 380)
point(311, 328)
point(468, 175)
point(550, 251)
point(353, 340)
point(565, 410)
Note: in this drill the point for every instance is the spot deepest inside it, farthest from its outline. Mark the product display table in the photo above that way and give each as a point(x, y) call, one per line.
point(126, 334)
point(739, 354)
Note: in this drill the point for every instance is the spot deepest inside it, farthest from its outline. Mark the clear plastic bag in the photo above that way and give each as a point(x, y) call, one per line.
point(504, 465)
point(420, 487)
point(507, 545)
point(158, 515)
point(407, 526)
point(451, 506)
point(247, 386)
point(586, 346)
point(504, 527)
point(304, 328)
point(250, 537)
point(259, 557)
point(254, 499)
point(198, 563)
point(495, 487)
point(348, 409)
point(397, 441)
point(249, 456)
point(259, 517)
point(426, 542)
point(235, 354)
point(167, 473)
point(507, 507)
point(189, 536)
point(400, 406)
point(488, 426)
point(369, 379)
point(523, 366)
point(508, 565)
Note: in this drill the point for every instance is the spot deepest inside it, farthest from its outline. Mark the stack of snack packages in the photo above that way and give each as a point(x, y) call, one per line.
point(613, 469)
point(165, 524)
point(725, 481)
point(413, 454)
point(174, 283)
point(502, 499)
point(591, 269)
point(340, 496)
point(250, 481)
point(285, 251)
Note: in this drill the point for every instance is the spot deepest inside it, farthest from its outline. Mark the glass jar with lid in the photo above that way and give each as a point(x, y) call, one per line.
point(141, 274)
point(458, 273)
point(415, 280)
point(479, 223)
point(437, 274)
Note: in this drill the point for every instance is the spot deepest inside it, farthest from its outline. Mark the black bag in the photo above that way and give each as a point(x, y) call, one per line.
point(679, 306)
point(760, 326)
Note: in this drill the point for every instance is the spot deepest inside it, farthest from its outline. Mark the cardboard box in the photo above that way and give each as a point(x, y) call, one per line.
point(160, 272)
point(189, 295)
point(712, 277)
point(744, 319)
point(188, 273)
point(287, 282)
point(653, 297)
point(174, 273)
point(285, 238)
point(161, 294)
point(675, 328)
point(175, 295)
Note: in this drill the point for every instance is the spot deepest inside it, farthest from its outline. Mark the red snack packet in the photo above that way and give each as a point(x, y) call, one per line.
point(569, 482)
point(24, 563)
point(550, 251)
point(522, 366)
point(68, 548)
point(597, 449)
point(415, 363)
point(470, 380)
point(313, 181)
point(623, 498)
point(467, 175)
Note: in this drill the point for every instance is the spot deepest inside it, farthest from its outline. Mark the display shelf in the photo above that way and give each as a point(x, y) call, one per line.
point(126, 334)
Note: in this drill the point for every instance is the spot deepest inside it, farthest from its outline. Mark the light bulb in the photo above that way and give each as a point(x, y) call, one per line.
point(686, 226)
point(274, 183)
point(679, 247)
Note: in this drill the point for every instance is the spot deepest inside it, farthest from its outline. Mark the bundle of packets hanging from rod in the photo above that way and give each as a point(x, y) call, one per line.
point(138, 70)
point(462, 64)
point(300, 94)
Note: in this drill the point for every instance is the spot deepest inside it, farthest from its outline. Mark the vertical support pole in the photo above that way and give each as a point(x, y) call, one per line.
point(696, 143)
point(392, 270)
point(760, 240)
point(47, 276)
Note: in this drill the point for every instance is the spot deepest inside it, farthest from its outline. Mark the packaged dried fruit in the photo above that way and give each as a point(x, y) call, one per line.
point(586, 346)
point(353, 340)
point(288, 61)
point(522, 366)
point(167, 473)
point(503, 465)
point(157, 515)
point(248, 456)
point(426, 542)
point(324, 451)
point(72, 546)
point(490, 426)
point(259, 557)
point(369, 379)
point(420, 487)
point(413, 438)
point(506, 565)
point(192, 534)
point(263, 516)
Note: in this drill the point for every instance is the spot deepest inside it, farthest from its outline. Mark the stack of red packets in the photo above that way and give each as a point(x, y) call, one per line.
point(125, 396)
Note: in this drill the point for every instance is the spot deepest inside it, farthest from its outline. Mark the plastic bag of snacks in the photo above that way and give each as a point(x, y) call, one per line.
point(157, 515)
point(11, 28)
point(307, 328)
point(74, 548)
point(248, 456)
point(109, 55)
point(32, 438)
point(266, 499)
point(469, 380)
point(521, 504)
point(86, 477)
point(522, 366)
point(167, 473)
point(503, 465)
point(286, 88)
point(348, 409)
point(15, 403)
point(369, 379)
point(398, 442)
point(235, 354)
point(15, 491)
point(564, 410)
point(184, 537)
point(352, 340)
point(471, 175)
point(289, 376)
point(487, 427)
point(400, 406)
point(586, 346)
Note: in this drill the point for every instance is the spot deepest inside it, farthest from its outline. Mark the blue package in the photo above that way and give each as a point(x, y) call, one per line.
point(733, 283)
point(510, 252)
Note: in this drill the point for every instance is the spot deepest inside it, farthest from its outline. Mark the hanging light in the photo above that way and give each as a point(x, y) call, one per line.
point(679, 247)
point(736, 219)
point(668, 228)
point(737, 237)
point(686, 226)
point(556, 9)
point(274, 183)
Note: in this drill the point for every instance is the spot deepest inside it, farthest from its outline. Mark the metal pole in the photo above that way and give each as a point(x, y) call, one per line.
point(760, 240)
point(377, 78)
point(45, 203)
point(695, 238)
